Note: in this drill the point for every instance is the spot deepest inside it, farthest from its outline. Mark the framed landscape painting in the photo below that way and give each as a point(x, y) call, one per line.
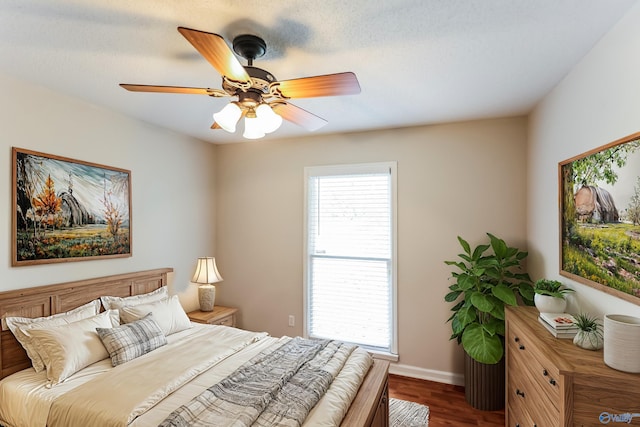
point(68, 210)
point(600, 218)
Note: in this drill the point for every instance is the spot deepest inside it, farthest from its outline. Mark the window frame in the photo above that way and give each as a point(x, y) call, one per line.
point(353, 169)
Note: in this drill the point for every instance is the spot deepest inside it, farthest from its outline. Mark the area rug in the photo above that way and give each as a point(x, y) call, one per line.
point(407, 414)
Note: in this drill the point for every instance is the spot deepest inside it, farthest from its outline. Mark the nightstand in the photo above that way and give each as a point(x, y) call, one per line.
point(225, 316)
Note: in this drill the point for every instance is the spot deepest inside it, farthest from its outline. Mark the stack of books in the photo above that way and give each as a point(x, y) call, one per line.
point(560, 325)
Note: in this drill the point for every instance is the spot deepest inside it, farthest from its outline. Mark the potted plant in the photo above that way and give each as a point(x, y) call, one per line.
point(589, 334)
point(549, 296)
point(488, 277)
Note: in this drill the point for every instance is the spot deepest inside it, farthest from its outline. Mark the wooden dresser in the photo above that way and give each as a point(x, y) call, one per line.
point(551, 382)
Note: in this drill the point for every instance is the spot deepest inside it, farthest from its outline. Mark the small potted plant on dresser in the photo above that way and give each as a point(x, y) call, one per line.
point(549, 296)
point(489, 277)
point(589, 334)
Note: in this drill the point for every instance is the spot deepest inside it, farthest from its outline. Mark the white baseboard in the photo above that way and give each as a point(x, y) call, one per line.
point(426, 374)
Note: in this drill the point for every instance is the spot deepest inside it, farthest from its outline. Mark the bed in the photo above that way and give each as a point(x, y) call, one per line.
point(231, 352)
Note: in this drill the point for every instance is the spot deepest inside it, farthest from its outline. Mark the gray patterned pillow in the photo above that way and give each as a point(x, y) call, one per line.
point(131, 340)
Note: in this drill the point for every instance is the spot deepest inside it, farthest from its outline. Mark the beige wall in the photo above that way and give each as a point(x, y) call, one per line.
point(454, 179)
point(596, 103)
point(172, 207)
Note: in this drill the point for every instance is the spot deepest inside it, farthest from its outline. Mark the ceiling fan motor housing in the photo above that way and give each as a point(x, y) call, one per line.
point(249, 47)
point(260, 81)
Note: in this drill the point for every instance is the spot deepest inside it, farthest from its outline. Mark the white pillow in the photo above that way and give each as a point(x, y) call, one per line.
point(20, 326)
point(168, 314)
point(68, 348)
point(114, 303)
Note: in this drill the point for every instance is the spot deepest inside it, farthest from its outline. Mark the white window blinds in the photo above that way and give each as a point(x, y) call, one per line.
point(349, 255)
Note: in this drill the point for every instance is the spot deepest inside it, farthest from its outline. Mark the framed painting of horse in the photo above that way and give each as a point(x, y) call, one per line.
point(600, 218)
point(68, 210)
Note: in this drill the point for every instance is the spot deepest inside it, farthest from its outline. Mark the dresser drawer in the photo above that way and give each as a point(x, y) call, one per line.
point(540, 370)
point(525, 393)
point(518, 416)
point(226, 321)
point(589, 402)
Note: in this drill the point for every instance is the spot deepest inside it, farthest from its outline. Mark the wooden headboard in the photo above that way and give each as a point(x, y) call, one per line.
point(52, 299)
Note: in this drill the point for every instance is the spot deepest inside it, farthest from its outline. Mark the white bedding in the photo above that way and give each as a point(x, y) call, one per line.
point(25, 401)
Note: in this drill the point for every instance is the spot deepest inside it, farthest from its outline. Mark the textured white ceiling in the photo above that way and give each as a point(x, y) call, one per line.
point(418, 61)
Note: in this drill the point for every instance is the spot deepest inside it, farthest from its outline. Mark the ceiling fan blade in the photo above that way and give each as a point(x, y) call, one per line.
point(175, 89)
point(215, 126)
point(327, 85)
point(217, 52)
point(298, 116)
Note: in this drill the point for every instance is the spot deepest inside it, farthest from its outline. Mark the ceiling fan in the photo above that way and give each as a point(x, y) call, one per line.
point(262, 100)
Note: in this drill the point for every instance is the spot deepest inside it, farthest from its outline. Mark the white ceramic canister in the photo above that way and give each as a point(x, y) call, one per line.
point(622, 342)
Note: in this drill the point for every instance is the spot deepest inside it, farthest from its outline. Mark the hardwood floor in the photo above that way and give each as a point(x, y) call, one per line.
point(447, 405)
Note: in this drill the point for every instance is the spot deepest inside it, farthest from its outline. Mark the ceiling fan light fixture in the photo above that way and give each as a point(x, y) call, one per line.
point(269, 120)
point(252, 127)
point(228, 117)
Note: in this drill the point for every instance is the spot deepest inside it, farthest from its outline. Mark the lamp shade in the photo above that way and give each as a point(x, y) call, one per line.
point(269, 120)
point(206, 271)
point(252, 128)
point(228, 117)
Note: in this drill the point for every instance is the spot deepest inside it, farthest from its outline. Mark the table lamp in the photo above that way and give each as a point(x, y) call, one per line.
point(206, 274)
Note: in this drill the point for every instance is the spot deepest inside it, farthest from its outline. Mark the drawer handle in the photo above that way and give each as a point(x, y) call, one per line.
point(519, 393)
point(551, 380)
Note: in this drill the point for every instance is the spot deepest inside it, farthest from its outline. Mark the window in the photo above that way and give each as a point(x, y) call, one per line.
point(350, 254)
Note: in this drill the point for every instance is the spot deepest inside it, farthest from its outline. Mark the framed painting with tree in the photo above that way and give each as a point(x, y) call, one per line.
point(600, 218)
point(68, 210)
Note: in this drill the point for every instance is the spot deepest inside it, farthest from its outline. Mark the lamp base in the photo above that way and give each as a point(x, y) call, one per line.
point(207, 297)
